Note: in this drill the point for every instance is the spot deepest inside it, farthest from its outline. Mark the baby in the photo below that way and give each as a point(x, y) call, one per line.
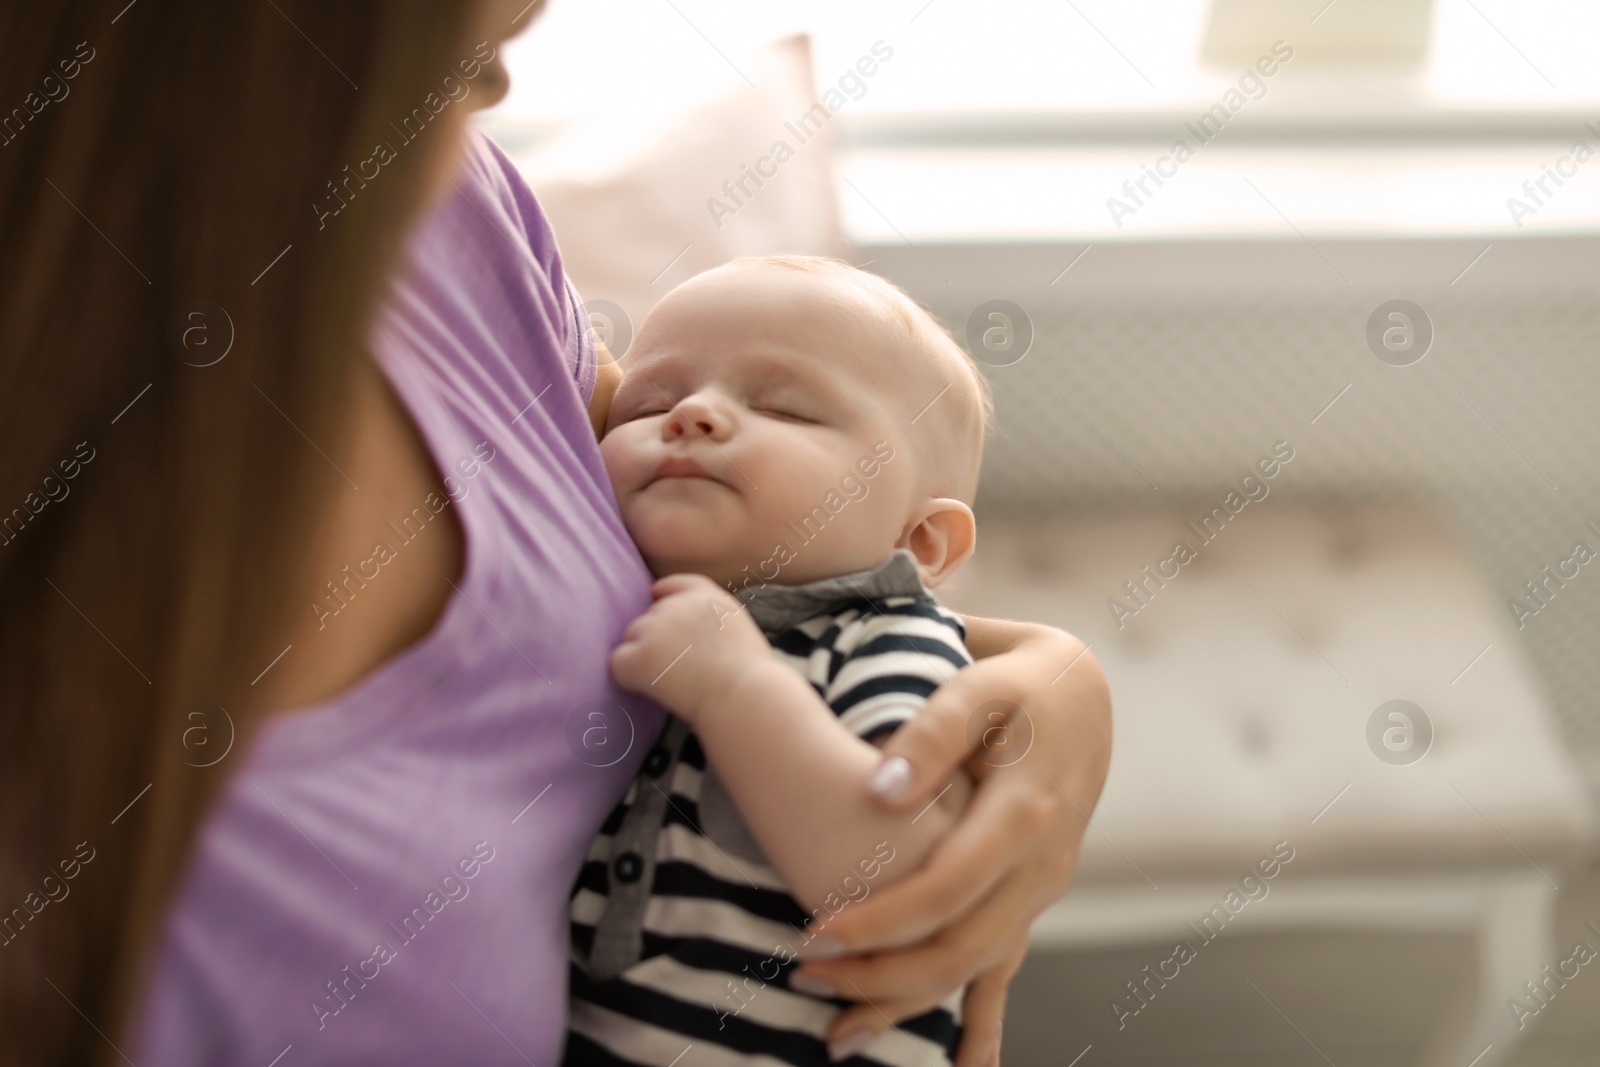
point(795, 447)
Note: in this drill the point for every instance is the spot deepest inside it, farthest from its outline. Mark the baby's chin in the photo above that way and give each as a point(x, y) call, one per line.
point(674, 541)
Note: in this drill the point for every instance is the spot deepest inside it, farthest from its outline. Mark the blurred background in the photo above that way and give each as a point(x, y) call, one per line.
point(1296, 425)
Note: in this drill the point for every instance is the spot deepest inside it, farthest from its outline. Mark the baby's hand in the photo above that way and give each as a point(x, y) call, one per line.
point(691, 645)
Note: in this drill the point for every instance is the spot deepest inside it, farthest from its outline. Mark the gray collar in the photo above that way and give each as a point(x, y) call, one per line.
point(778, 607)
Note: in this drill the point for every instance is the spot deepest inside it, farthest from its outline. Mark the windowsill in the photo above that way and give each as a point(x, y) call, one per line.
point(1251, 192)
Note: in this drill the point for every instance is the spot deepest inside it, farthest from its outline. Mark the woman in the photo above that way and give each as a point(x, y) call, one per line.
point(312, 540)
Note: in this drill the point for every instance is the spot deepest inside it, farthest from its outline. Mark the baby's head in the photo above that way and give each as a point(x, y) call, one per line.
point(793, 418)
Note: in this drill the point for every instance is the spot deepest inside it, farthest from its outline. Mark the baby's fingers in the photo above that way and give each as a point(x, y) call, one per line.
point(682, 583)
point(632, 665)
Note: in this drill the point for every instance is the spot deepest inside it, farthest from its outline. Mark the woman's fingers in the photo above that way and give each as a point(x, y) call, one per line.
point(930, 970)
point(954, 877)
point(932, 746)
point(964, 915)
point(1006, 826)
point(983, 1007)
point(857, 1025)
point(983, 1010)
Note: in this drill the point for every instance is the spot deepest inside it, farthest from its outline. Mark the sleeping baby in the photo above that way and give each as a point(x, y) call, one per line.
point(794, 447)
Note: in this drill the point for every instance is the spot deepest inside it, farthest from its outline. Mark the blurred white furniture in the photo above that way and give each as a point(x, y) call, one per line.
point(1243, 690)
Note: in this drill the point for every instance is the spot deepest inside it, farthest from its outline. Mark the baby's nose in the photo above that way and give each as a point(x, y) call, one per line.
point(696, 416)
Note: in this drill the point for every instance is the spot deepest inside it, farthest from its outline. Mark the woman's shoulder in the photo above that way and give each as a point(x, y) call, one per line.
point(489, 223)
point(491, 181)
point(483, 288)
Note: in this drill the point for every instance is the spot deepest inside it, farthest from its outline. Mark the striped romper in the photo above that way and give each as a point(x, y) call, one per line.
point(683, 936)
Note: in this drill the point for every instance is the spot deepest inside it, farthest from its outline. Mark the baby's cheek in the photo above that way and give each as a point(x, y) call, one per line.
point(618, 457)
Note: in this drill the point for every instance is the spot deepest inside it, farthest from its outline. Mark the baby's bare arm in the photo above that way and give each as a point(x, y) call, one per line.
point(797, 775)
point(800, 779)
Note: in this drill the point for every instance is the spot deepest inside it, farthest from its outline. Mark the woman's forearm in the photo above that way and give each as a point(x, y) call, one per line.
point(991, 637)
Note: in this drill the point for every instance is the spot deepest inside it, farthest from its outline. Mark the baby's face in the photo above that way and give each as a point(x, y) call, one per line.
point(763, 423)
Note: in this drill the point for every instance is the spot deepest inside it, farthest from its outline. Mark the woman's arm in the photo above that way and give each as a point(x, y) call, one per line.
point(965, 915)
point(608, 375)
point(991, 637)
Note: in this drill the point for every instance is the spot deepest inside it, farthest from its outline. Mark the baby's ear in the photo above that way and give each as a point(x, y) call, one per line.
point(940, 538)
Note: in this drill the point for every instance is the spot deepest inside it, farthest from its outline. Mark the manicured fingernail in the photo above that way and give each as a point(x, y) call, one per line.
point(812, 985)
point(846, 1047)
point(821, 947)
point(891, 780)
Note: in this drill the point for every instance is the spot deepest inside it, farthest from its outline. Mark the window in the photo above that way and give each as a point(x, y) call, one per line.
point(1023, 119)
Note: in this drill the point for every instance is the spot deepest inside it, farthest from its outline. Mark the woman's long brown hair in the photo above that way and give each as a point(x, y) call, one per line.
point(160, 166)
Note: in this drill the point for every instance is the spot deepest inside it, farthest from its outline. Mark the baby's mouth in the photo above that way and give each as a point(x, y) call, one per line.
point(681, 467)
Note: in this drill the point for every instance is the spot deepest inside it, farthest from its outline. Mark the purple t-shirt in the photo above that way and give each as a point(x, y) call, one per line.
point(385, 880)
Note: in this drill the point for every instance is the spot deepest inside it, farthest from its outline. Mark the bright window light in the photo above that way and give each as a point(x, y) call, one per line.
point(1504, 92)
point(632, 57)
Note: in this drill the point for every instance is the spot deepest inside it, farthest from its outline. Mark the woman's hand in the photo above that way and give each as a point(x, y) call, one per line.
point(1032, 723)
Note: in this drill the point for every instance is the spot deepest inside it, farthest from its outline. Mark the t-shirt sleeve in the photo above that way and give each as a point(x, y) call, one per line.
point(889, 660)
point(580, 344)
point(530, 236)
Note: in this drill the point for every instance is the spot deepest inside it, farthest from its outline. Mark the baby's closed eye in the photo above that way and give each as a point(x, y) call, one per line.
point(788, 402)
point(788, 412)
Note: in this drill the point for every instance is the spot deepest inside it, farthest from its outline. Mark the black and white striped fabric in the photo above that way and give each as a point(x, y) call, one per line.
point(683, 936)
